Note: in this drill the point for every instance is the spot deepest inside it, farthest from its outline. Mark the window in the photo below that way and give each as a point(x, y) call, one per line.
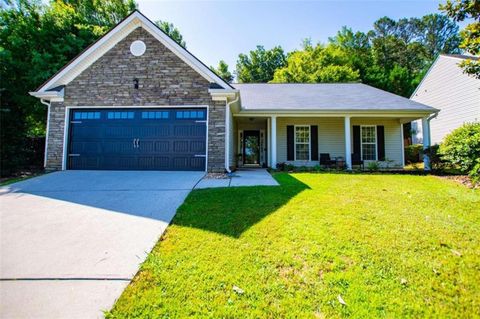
point(369, 143)
point(302, 143)
point(187, 115)
point(124, 115)
point(155, 115)
point(86, 115)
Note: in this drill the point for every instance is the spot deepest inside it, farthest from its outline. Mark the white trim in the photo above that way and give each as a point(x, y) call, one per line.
point(403, 145)
point(66, 131)
point(348, 142)
point(109, 40)
point(309, 143)
point(273, 127)
point(424, 77)
point(206, 138)
point(138, 106)
point(269, 143)
point(324, 113)
point(370, 143)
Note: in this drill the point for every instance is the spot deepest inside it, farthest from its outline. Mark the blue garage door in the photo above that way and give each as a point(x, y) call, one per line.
point(137, 139)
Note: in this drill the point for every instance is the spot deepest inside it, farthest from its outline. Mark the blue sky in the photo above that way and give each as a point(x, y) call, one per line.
point(215, 30)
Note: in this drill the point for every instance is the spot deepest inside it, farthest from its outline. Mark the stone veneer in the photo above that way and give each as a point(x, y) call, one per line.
point(164, 79)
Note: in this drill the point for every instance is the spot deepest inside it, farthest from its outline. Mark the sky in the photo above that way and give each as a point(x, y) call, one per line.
point(220, 30)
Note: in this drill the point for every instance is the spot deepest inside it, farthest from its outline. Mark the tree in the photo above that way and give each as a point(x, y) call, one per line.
point(260, 64)
point(172, 32)
point(459, 10)
point(319, 64)
point(36, 40)
point(222, 71)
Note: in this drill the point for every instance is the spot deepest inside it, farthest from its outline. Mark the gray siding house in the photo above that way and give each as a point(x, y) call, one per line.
point(454, 93)
point(136, 100)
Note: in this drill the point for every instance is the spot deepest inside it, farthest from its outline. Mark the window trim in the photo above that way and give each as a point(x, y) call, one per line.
point(369, 143)
point(309, 142)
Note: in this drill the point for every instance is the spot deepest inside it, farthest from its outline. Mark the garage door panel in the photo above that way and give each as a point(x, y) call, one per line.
point(144, 139)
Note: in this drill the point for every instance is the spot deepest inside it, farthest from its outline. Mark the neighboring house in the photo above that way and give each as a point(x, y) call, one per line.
point(137, 100)
point(454, 93)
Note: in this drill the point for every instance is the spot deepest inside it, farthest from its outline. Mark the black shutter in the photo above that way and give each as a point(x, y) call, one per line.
point(290, 143)
point(356, 140)
point(314, 142)
point(380, 142)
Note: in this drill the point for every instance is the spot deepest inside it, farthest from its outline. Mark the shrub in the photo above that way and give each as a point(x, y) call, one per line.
point(436, 161)
point(461, 148)
point(373, 166)
point(413, 153)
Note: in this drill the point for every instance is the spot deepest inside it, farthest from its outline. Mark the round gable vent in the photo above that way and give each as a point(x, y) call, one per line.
point(138, 48)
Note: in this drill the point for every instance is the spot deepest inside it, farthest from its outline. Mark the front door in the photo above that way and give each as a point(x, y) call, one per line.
point(251, 147)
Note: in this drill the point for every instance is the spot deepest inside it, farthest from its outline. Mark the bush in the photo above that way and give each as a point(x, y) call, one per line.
point(461, 148)
point(373, 166)
point(413, 153)
point(437, 163)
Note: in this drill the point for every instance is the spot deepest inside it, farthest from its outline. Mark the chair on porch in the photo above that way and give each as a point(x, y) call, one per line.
point(357, 160)
point(326, 161)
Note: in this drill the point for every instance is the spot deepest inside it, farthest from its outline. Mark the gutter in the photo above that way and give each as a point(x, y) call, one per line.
point(227, 133)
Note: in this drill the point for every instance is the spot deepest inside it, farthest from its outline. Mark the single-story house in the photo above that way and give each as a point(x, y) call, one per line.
point(136, 100)
point(455, 93)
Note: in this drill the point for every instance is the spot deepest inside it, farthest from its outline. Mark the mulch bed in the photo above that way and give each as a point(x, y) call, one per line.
point(461, 179)
point(216, 176)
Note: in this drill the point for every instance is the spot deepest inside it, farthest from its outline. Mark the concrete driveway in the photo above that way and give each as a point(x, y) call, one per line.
point(71, 241)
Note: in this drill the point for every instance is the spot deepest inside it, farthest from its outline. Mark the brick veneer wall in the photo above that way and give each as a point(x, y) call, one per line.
point(164, 79)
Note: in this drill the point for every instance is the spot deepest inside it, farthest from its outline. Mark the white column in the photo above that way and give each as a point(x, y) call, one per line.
point(348, 143)
point(273, 156)
point(403, 144)
point(426, 142)
point(269, 143)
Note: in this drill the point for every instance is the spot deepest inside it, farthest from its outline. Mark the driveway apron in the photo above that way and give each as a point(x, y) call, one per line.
point(71, 241)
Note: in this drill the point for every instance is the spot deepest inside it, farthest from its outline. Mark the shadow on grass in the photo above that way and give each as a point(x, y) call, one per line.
point(232, 211)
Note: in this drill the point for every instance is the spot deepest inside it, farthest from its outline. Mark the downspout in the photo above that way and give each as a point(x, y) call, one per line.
point(46, 131)
point(227, 133)
point(431, 117)
point(427, 157)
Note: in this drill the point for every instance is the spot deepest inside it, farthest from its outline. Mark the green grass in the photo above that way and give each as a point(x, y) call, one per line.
point(390, 245)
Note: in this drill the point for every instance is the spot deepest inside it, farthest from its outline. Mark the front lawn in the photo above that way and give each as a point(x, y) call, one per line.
point(385, 245)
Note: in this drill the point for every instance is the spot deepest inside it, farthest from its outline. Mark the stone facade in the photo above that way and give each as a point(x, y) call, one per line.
point(55, 136)
point(163, 79)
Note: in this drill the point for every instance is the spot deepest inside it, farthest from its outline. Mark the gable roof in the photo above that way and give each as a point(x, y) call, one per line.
point(136, 19)
point(323, 97)
point(443, 57)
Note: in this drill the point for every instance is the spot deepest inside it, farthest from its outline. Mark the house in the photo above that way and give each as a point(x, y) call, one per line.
point(454, 93)
point(136, 100)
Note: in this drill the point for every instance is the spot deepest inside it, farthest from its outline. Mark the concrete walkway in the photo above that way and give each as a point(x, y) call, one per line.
point(71, 241)
point(242, 177)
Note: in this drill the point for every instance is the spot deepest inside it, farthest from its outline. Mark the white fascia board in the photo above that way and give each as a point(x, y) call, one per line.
point(182, 53)
point(425, 76)
point(222, 94)
point(103, 42)
point(117, 34)
point(310, 113)
point(52, 96)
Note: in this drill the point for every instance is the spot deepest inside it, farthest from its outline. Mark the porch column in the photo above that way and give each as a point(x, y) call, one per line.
point(269, 143)
point(273, 126)
point(426, 142)
point(348, 143)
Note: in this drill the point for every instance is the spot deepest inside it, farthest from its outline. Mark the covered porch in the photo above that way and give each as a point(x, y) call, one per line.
point(349, 141)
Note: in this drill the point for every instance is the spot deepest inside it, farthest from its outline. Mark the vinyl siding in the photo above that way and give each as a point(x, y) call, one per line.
point(331, 137)
point(454, 93)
